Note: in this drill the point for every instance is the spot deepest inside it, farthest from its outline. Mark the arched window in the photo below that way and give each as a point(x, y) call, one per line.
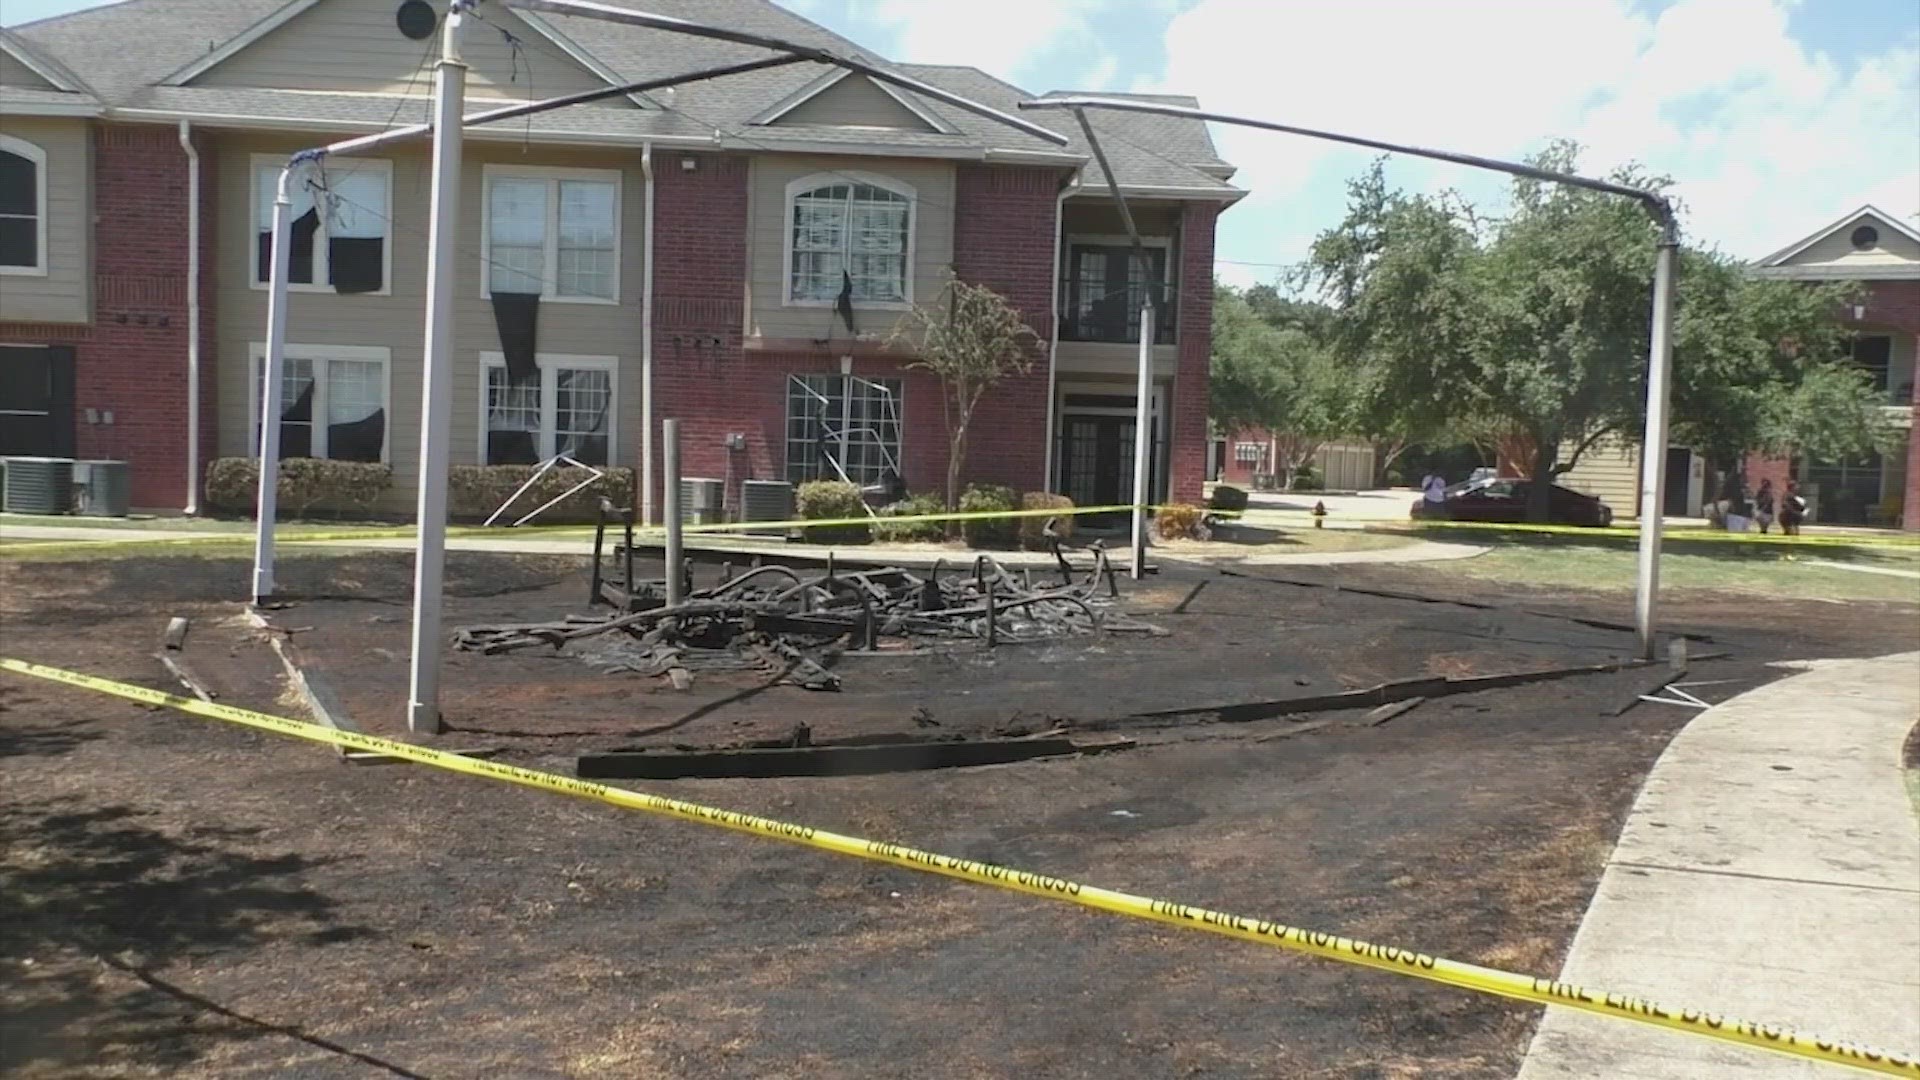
point(849, 228)
point(23, 207)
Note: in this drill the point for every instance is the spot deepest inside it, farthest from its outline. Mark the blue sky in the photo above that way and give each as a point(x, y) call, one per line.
point(1774, 116)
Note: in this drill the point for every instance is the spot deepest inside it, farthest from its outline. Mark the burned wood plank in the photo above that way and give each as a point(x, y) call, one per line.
point(1387, 712)
point(177, 667)
point(818, 760)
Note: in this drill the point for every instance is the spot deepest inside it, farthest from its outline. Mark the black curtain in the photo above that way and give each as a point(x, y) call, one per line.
point(356, 264)
point(516, 315)
point(299, 248)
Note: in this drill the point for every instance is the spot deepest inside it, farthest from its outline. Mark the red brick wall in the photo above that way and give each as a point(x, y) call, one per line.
point(700, 376)
point(703, 377)
point(1195, 333)
point(1005, 219)
point(132, 360)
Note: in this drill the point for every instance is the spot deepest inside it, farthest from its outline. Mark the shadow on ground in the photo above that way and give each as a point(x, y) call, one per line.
point(94, 901)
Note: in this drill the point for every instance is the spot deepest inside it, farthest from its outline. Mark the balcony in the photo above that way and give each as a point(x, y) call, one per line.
point(1094, 309)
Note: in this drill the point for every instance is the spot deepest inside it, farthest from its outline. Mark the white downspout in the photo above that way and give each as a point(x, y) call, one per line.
point(646, 338)
point(1053, 342)
point(193, 318)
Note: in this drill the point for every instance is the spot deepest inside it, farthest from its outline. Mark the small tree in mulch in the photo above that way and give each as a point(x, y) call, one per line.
point(969, 339)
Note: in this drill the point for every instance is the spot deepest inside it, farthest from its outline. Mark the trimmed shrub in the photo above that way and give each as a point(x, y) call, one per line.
point(476, 491)
point(1033, 529)
point(1227, 497)
point(337, 488)
point(989, 532)
point(1395, 478)
point(1180, 521)
point(827, 500)
point(1306, 478)
point(903, 532)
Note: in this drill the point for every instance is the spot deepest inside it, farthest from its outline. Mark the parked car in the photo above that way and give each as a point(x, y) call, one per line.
point(1506, 500)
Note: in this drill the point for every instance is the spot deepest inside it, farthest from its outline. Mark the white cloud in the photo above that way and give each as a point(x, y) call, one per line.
point(1766, 139)
point(998, 36)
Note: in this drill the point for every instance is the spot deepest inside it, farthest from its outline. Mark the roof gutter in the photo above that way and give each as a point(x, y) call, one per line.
point(193, 318)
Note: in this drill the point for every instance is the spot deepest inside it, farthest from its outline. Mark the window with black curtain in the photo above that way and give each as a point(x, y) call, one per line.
point(19, 210)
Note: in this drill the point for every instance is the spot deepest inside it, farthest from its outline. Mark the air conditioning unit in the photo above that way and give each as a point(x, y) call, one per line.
point(39, 485)
point(766, 500)
point(103, 488)
point(702, 500)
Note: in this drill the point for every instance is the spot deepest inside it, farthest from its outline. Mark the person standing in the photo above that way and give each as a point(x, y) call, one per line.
point(1793, 510)
point(1763, 505)
point(1433, 495)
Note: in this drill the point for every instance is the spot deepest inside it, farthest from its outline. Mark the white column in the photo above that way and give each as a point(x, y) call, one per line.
point(436, 389)
point(1142, 436)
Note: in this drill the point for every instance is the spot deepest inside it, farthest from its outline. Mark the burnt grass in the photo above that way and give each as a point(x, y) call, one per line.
point(182, 897)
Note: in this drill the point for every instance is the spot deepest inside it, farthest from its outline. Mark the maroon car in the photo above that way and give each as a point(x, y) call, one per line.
point(1504, 501)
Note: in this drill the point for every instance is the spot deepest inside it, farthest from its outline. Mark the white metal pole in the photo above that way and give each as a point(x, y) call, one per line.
point(670, 444)
point(193, 317)
point(1653, 448)
point(646, 339)
point(274, 364)
point(436, 384)
point(1142, 435)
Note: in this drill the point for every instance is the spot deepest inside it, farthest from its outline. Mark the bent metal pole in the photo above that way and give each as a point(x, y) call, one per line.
point(436, 384)
point(275, 364)
point(1653, 445)
point(1659, 339)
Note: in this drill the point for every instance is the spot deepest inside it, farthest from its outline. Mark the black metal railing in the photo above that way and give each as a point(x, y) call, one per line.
point(1092, 309)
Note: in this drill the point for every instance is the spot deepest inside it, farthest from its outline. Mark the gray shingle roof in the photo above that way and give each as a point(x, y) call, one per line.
point(1146, 151)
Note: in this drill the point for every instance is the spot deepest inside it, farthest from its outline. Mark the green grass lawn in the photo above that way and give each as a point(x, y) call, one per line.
point(1608, 564)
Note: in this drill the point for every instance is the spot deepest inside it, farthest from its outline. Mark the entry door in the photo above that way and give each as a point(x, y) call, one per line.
point(1679, 478)
point(36, 400)
point(1097, 460)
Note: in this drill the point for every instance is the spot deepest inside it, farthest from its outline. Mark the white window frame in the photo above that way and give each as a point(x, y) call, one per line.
point(322, 265)
point(550, 275)
point(549, 365)
point(319, 355)
point(34, 153)
point(823, 179)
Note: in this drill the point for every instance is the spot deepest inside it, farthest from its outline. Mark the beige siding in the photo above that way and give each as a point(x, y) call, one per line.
point(767, 313)
point(324, 318)
point(15, 73)
point(1108, 358)
point(1609, 471)
point(855, 102)
point(1086, 217)
point(1836, 248)
point(354, 45)
point(1345, 466)
point(64, 293)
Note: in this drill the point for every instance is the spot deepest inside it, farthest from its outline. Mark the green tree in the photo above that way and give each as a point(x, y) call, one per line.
point(1533, 327)
point(1277, 377)
point(970, 339)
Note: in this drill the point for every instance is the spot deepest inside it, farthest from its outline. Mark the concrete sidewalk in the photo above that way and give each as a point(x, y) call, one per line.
point(1770, 871)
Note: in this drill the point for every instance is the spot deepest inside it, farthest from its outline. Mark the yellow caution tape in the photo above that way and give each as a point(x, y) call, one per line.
point(407, 531)
point(1260, 931)
point(1629, 533)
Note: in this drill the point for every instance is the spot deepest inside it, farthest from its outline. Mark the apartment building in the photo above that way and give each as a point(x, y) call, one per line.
point(679, 253)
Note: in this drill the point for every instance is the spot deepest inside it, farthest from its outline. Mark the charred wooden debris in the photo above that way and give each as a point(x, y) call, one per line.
point(790, 625)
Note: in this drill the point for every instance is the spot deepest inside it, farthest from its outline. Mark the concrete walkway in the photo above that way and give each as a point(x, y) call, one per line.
point(101, 534)
point(1770, 871)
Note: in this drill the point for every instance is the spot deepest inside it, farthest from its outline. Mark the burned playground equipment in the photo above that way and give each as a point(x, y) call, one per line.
point(789, 624)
